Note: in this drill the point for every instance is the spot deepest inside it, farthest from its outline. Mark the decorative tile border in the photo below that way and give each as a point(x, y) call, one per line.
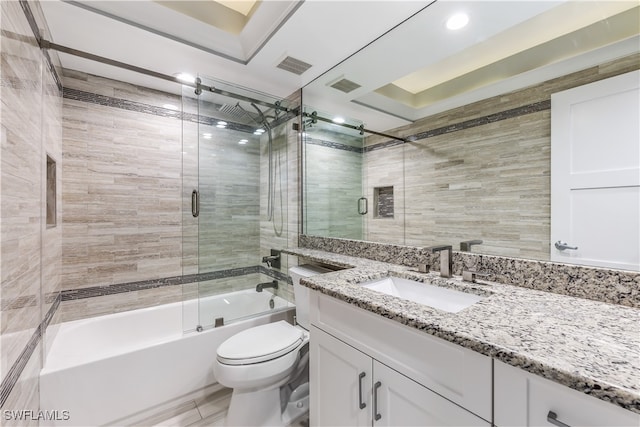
point(335, 145)
point(599, 284)
point(14, 373)
point(467, 124)
point(98, 291)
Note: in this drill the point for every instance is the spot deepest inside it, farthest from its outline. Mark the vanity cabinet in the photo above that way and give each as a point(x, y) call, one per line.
point(349, 387)
point(524, 399)
point(363, 365)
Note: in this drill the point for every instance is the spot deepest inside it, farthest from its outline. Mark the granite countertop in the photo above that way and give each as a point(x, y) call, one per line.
point(589, 346)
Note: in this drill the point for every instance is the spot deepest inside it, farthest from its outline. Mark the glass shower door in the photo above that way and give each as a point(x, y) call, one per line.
point(231, 129)
point(335, 203)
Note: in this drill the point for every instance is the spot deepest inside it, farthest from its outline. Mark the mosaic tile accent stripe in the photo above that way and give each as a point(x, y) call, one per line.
point(491, 118)
point(336, 145)
point(16, 370)
point(97, 291)
point(381, 145)
point(598, 284)
point(139, 107)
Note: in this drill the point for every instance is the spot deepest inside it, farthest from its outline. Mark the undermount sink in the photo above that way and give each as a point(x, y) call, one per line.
point(445, 299)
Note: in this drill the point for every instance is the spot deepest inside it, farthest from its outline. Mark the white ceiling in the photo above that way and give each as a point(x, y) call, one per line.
point(144, 33)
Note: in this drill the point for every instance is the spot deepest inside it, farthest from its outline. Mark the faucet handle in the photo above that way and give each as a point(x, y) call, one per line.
point(471, 276)
point(466, 245)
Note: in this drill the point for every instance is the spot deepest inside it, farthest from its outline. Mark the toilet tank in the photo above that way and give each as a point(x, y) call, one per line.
point(301, 293)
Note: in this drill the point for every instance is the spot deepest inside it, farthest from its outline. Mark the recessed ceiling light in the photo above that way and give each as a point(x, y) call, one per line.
point(259, 131)
point(243, 141)
point(185, 77)
point(207, 135)
point(221, 124)
point(338, 120)
point(457, 21)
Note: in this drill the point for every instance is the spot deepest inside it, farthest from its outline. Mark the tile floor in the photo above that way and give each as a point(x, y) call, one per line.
point(209, 411)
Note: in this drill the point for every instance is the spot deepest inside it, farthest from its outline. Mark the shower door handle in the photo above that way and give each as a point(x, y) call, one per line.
point(363, 208)
point(195, 203)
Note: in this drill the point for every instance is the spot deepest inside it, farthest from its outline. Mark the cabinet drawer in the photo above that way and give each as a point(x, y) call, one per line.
point(458, 374)
point(524, 399)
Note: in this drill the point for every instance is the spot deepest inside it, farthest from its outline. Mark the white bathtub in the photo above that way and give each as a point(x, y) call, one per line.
point(110, 367)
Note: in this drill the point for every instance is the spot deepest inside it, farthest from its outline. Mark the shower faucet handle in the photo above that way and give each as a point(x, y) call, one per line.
point(272, 261)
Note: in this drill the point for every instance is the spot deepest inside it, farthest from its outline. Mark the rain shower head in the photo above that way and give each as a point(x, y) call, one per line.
point(235, 113)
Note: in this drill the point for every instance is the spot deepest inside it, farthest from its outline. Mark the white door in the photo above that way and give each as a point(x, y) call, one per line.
point(400, 401)
point(340, 382)
point(595, 173)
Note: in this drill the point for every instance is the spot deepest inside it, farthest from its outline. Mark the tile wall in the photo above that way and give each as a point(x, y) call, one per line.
point(478, 171)
point(30, 264)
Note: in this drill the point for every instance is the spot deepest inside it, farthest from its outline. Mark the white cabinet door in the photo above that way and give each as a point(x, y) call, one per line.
point(339, 392)
point(399, 401)
point(524, 399)
point(595, 173)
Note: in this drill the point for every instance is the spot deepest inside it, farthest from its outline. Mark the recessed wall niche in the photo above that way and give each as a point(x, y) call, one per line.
point(383, 201)
point(51, 193)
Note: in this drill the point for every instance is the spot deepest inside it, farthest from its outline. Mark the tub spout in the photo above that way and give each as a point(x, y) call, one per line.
point(260, 286)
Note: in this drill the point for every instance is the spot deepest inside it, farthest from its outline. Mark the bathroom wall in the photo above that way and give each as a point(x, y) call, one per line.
point(130, 166)
point(478, 171)
point(30, 117)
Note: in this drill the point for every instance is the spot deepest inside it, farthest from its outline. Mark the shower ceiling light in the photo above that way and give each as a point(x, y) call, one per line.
point(338, 120)
point(259, 131)
point(243, 141)
point(221, 124)
point(207, 135)
point(457, 21)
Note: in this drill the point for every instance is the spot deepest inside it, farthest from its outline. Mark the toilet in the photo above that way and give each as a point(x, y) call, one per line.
point(263, 363)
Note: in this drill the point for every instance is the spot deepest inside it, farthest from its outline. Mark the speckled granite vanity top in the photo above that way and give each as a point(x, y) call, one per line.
point(589, 346)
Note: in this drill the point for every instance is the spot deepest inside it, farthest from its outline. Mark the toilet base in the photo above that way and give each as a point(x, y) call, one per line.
point(255, 408)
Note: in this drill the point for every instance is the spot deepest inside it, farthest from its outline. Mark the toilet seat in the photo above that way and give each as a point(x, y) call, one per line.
point(260, 344)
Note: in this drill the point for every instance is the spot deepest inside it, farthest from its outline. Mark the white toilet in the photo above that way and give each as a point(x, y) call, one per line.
point(259, 361)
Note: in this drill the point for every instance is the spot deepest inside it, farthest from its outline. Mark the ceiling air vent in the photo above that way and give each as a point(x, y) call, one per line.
point(293, 65)
point(345, 85)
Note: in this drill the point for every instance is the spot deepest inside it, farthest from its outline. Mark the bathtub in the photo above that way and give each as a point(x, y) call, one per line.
point(112, 367)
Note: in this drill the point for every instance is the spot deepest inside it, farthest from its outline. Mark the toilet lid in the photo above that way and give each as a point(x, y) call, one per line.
point(260, 344)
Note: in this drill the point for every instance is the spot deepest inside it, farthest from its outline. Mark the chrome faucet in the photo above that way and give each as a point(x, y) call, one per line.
point(446, 259)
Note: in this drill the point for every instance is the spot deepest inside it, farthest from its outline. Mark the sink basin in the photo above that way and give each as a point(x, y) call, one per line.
point(445, 299)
